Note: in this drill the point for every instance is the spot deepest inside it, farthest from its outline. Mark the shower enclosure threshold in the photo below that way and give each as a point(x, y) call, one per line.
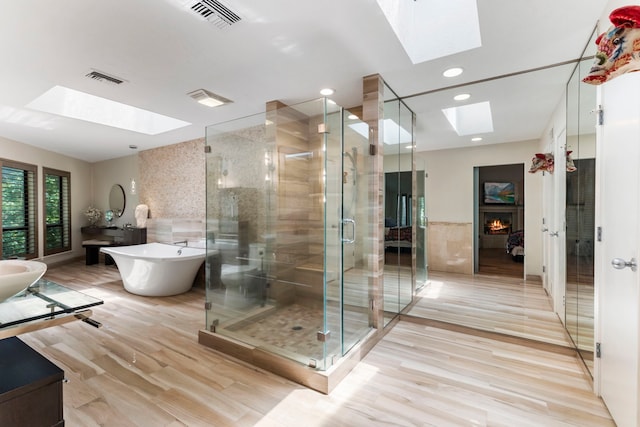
point(322, 381)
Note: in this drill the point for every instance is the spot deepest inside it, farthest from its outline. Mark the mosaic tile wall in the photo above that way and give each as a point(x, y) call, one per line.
point(172, 184)
point(172, 180)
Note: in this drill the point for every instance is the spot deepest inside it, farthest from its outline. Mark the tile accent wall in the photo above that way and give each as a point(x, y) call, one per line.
point(171, 230)
point(450, 247)
point(172, 180)
point(172, 184)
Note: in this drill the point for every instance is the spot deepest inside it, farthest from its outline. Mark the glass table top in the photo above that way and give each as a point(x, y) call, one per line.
point(43, 300)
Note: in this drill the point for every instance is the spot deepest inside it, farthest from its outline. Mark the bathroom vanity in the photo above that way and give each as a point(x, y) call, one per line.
point(109, 236)
point(31, 386)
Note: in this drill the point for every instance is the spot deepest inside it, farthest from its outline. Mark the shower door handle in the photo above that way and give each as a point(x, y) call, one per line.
point(353, 228)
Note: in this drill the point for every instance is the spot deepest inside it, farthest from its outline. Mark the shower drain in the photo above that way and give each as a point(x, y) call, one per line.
point(297, 328)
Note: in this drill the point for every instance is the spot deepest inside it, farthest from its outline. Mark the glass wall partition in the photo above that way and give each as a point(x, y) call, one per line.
point(421, 223)
point(287, 201)
point(400, 197)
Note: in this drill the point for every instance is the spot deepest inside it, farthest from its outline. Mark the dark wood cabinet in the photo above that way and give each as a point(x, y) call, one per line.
point(31, 387)
point(109, 236)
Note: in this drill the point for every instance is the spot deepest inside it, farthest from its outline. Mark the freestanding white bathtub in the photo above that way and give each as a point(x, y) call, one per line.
point(157, 269)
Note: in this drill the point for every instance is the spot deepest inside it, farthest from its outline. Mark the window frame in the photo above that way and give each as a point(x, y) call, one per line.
point(31, 212)
point(64, 203)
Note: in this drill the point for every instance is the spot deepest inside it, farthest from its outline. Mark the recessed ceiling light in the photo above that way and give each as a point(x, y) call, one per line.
point(327, 92)
point(462, 97)
point(476, 139)
point(452, 72)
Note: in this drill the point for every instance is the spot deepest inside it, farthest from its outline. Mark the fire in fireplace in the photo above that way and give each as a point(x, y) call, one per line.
point(497, 223)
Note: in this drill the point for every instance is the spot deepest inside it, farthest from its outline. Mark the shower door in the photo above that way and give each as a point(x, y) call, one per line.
point(346, 223)
point(355, 225)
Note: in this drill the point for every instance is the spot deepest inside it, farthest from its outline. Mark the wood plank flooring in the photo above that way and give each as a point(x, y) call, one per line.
point(498, 262)
point(505, 305)
point(144, 367)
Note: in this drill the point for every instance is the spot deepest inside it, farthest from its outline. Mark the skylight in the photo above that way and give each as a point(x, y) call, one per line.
point(433, 29)
point(83, 106)
point(470, 119)
point(393, 134)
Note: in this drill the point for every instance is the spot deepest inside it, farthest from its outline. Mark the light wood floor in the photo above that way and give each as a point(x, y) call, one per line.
point(505, 305)
point(144, 367)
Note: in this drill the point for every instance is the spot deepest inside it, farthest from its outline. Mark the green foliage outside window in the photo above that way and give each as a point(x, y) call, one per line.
point(56, 211)
point(15, 212)
point(52, 208)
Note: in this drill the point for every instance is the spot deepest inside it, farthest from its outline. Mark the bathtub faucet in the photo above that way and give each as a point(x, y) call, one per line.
point(182, 242)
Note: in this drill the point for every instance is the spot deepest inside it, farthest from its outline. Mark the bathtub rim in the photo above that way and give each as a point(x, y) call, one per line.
point(135, 251)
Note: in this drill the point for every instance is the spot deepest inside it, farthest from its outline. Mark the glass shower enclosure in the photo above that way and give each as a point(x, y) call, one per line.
point(288, 226)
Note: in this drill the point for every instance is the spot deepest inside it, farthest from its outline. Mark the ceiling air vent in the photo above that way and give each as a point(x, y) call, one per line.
point(215, 12)
point(102, 77)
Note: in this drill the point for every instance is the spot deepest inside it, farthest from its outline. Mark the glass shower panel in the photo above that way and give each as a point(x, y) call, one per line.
point(400, 207)
point(276, 232)
point(392, 211)
point(333, 227)
point(407, 189)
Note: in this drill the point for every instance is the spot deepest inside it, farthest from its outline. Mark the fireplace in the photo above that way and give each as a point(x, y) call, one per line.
point(497, 223)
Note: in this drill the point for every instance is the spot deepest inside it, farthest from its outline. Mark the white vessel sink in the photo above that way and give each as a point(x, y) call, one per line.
point(18, 275)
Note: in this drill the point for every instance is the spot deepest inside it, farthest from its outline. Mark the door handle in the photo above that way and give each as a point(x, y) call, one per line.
point(353, 234)
point(619, 263)
point(554, 234)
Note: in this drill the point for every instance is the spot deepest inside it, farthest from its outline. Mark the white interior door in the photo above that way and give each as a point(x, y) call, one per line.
point(617, 213)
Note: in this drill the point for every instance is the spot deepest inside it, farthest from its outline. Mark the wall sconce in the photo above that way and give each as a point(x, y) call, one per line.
point(132, 187)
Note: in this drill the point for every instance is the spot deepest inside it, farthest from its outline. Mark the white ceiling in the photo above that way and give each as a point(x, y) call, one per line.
point(280, 50)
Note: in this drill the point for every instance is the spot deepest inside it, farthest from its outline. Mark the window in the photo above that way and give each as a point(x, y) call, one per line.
point(19, 210)
point(57, 219)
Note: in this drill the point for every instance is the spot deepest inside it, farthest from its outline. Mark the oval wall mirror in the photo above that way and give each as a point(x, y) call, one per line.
point(117, 200)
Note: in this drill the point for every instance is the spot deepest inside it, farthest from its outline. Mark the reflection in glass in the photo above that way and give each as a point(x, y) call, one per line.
point(399, 206)
point(580, 213)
